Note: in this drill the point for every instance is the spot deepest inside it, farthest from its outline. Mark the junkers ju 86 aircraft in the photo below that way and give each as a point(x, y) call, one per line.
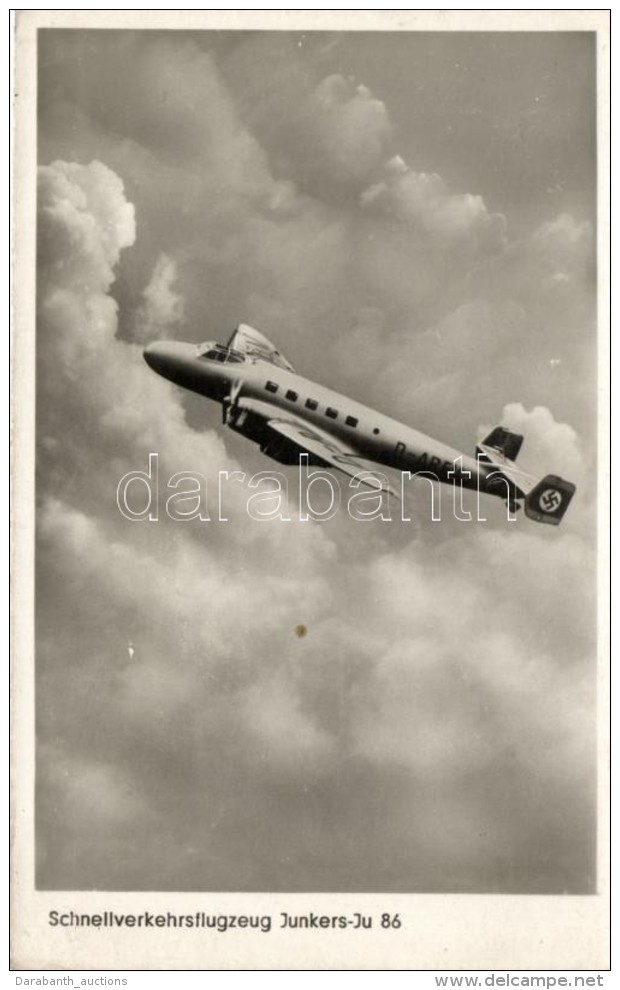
point(265, 400)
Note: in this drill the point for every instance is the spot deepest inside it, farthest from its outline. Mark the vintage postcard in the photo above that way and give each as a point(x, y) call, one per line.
point(310, 667)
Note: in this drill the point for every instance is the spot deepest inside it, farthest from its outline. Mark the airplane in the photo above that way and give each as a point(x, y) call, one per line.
point(265, 400)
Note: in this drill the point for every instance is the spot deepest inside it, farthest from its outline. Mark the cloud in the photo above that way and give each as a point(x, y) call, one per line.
point(112, 396)
point(423, 201)
point(343, 131)
point(552, 447)
point(564, 245)
point(87, 210)
point(446, 680)
point(91, 380)
point(162, 310)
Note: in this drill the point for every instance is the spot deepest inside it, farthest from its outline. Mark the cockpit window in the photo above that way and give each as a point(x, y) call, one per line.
point(218, 352)
point(235, 356)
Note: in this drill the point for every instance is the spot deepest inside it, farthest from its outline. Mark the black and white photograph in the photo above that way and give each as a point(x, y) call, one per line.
point(316, 389)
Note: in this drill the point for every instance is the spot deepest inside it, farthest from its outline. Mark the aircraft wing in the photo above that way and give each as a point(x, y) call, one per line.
point(334, 452)
point(254, 343)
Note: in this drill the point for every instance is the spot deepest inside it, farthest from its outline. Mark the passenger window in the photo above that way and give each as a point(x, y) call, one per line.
point(311, 404)
point(332, 413)
point(293, 396)
point(271, 387)
point(351, 421)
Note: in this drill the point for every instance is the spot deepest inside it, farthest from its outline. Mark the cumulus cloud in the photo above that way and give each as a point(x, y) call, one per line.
point(131, 413)
point(87, 210)
point(343, 131)
point(424, 201)
point(563, 247)
point(162, 310)
point(444, 684)
point(549, 443)
point(77, 330)
point(552, 268)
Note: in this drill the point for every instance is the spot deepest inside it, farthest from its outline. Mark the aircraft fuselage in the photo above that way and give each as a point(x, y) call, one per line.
point(264, 391)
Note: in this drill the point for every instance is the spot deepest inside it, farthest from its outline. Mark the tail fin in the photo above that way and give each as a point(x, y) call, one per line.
point(549, 499)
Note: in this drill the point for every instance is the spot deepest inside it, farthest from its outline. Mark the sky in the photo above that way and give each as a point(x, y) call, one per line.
point(411, 219)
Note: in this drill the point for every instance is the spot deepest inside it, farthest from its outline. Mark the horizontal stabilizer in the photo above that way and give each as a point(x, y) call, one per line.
point(503, 442)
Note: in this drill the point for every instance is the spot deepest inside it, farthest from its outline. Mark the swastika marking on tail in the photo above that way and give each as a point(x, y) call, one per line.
point(550, 500)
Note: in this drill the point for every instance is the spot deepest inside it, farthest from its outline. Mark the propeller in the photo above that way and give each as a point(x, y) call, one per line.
point(229, 404)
